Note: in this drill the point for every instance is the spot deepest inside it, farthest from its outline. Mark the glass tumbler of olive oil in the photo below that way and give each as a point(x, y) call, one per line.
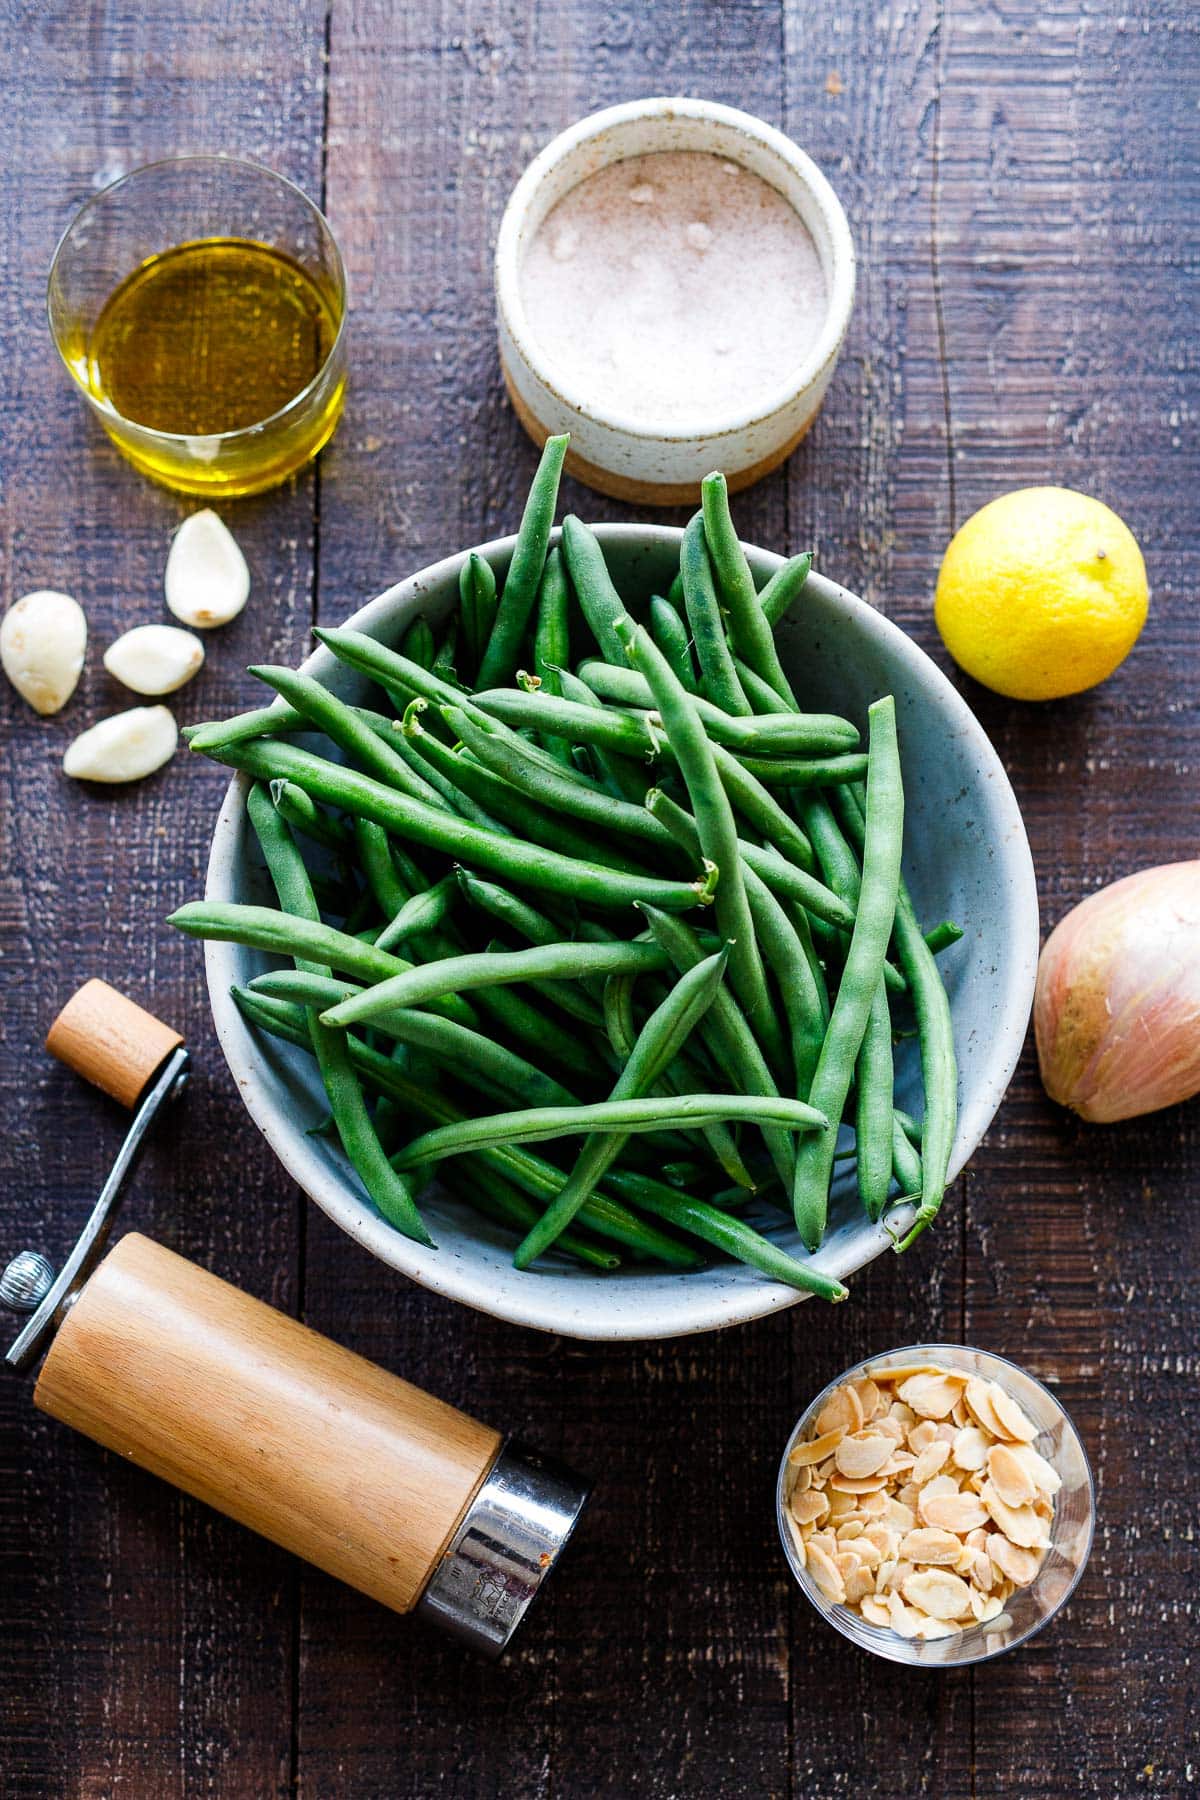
point(199, 305)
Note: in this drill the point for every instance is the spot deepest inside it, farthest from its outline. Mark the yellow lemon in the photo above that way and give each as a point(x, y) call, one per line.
point(1041, 593)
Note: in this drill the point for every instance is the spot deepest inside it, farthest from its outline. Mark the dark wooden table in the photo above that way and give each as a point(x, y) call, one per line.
point(1022, 185)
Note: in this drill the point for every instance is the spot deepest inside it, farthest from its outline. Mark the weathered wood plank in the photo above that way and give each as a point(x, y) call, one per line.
point(148, 1645)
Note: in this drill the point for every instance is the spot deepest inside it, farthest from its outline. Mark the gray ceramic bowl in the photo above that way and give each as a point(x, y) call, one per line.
point(968, 859)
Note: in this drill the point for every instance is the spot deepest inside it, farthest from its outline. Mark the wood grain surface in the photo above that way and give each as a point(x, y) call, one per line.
point(1023, 183)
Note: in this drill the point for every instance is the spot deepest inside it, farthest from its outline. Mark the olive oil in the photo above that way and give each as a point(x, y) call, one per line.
point(215, 337)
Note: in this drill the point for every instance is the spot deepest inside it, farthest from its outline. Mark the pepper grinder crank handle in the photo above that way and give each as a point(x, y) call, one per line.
point(329, 1456)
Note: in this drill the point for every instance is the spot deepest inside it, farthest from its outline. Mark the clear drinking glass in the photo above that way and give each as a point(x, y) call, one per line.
point(186, 204)
point(1029, 1608)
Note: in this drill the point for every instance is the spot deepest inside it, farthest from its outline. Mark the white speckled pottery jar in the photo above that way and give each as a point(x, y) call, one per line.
point(639, 459)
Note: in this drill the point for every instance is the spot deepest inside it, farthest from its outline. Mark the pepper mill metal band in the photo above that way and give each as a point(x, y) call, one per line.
point(369, 1478)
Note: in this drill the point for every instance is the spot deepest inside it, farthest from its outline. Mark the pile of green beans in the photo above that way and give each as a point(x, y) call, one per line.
point(586, 876)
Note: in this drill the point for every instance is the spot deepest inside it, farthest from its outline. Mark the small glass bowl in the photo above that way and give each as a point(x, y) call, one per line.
point(181, 201)
point(1028, 1608)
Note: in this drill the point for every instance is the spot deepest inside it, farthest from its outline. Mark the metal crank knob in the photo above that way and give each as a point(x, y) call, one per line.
point(26, 1282)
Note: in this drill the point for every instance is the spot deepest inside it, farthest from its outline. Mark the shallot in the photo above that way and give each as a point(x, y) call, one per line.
point(1117, 1004)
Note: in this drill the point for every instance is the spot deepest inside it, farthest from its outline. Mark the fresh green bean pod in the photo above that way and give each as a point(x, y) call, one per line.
point(718, 677)
point(533, 1125)
point(423, 912)
point(599, 600)
point(781, 733)
point(625, 778)
point(386, 1187)
point(444, 661)
point(873, 1122)
point(906, 1160)
point(733, 1236)
point(338, 722)
point(498, 1199)
point(260, 721)
point(459, 974)
point(716, 830)
point(656, 1046)
point(759, 807)
point(862, 973)
point(303, 814)
point(418, 643)
point(603, 1214)
point(525, 570)
point(753, 639)
point(601, 726)
point(785, 586)
point(671, 635)
point(804, 772)
point(477, 609)
point(472, 1057)
point(509, 858)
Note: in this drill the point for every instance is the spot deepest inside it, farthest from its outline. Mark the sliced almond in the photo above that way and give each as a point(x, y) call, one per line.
point(850, 1530)
point(859, 1583)
point(1020, 1566)
point(969, 1449)
point(979, 1404)
point(1046, 1477)
point(875, 1612)
point(867, 1552)
point(885, 1574)
point(863, 1454)
point(842, 1411)
point(1009, 1476)
point(932, 1396)
point(937, 1628)
point(901, 1372)
point(902, 1618)
point(1014, 1424)
point(816, 1449)
point(883, 1538)
point(1020, 1523)
point(805, 1508)
point(939, 1593)
point(921, 1436)
point(801, 1478)
point(889, 1427)
point(909, 1493)
point(930, 1461)
point(874, 1506)
point(870, 1397)
point(903, 1415)
point(798, 1543)
point(826, 1574)
point(928, 1545)
point(841, 1503)
point(847, 1485)
point(900, 1516)
point(956, 1512)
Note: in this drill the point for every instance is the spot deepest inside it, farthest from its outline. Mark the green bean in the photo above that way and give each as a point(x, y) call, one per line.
point(385, 1186)
point(457, 974)
point(423, 912)
point(427, 756)
point(715, 828)
point(336, 720)
point(417, 642)
point(939, 1068)
point(675, 593)
point(599, 600)
point(521, 1022)
point(260, 721)
point(375, 857)
point(565, 993)
point(752, 637)
point(873, 1121)
point(497, 1199)
point(512, 808)
point(474, 1058)
point(862, 973)
point(657, 1044)
point(941, 937)
point(671, 635)
point(559, 793)
point(759, 807)
point(906, 1160)
point(507, 909)
point(759, 693)
point(601, 726)
point(718, 676)
point(534, 1125)
point(624, 778)
point(305, 815)
point(443, 663)
point(525, 571)
point(477, 609)
point(783, 878)
point(285, 934)
point(509, 858)
point(784, 953)
point(784, 733)
point(602, 1214)
point(726, 1033)
point(733, 1236)
point(618, 1014)
point(784, 587)
point(805, 772)
point(397, 675)
point(552, 639)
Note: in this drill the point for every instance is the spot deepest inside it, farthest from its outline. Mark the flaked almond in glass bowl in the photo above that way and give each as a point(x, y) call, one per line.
point(936, 1505)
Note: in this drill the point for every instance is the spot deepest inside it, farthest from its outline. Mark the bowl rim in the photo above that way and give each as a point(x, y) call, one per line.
point(839, 272)
point(830, 1613)
point(699, 1308)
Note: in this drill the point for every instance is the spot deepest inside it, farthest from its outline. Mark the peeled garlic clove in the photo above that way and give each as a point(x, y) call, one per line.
point(43, 638)
point(154, 659)
point(124, 748)
point(1117, 1004)
point(207, 581)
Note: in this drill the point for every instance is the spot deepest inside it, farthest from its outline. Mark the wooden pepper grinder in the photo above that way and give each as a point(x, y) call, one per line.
point(329, 1456)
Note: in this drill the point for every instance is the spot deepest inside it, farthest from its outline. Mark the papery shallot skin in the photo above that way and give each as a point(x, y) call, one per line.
point(1116, 1010)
